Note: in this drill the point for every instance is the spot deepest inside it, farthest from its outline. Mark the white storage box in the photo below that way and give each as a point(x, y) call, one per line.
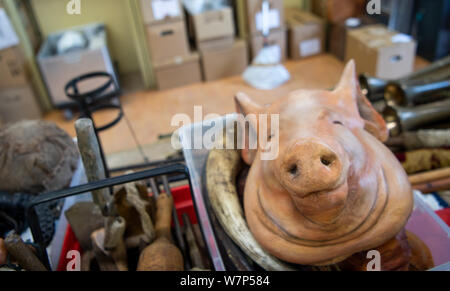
point(58, 69)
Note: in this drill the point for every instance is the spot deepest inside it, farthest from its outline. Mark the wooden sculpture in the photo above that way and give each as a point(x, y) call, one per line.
point(332, 191)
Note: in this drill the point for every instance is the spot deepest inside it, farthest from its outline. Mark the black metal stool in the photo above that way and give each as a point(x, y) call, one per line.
point(92, 101)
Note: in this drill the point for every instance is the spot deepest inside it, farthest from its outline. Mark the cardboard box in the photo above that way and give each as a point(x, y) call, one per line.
point(225, 62)
point(167, 41)
point(216, 44)
point(212, 24)
point(337, 34)
point(12, 69)
point(18, 103)
point(161, 11)
point(306, 34)
point(178, 72)
point(254, 15)
point(276, 38)
point(58, 70)
point(338, 10)
point(381, 52)
point(8, 36)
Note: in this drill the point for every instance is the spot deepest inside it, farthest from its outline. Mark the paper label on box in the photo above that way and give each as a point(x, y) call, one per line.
point(309, 47)
point(401, 38)
point(8, 36)
point(165, 8)
point(273, 19)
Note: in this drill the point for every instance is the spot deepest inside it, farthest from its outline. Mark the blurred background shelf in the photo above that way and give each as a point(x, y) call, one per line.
point(127, 30)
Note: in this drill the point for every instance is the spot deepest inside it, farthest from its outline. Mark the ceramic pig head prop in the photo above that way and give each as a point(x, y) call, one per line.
point(333, 189)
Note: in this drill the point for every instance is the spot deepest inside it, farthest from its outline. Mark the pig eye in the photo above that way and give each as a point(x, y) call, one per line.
point(338, 122)
point(270, 137)
point(326, 161)
point(293, 170)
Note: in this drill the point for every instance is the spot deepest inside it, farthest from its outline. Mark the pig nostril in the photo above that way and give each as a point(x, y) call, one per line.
point(293, 170)
point(326, 161)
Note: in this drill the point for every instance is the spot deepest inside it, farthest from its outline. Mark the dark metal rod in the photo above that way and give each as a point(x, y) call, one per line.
point(109, 182)
point(147, 165)
point(33, 222)
point(155, 188)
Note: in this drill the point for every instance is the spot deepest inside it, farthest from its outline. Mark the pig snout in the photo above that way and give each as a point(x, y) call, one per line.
point(315, 175)
point(310, 167)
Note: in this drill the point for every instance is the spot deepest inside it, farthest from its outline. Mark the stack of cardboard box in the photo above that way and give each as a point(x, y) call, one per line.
point(174, 64)
point(340, 16)
point(275, 21)
point(17, 98)
point(306, 34)
point(213, 34)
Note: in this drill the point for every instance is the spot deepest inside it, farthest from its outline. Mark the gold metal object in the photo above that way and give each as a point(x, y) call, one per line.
point(373, 87)
point(402, 94)
point(399, 119)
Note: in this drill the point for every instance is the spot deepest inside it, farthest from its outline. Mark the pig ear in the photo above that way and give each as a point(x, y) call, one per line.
point(348, 78)
point(246, 106)
point(373, 122)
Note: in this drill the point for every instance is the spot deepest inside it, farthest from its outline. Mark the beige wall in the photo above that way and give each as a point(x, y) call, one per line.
point(52, 16)
point(296, 3)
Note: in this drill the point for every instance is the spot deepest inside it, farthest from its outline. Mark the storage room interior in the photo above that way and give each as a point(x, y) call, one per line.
point(106, 107)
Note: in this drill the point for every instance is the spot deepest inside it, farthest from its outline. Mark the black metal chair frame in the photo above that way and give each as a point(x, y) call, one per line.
point(89, 103)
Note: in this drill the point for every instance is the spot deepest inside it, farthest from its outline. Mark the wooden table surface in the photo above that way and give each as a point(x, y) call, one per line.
point(150, 112)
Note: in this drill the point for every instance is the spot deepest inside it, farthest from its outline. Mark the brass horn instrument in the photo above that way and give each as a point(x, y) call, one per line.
point(401, 94)
point(374, 87)
point(400, 119)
